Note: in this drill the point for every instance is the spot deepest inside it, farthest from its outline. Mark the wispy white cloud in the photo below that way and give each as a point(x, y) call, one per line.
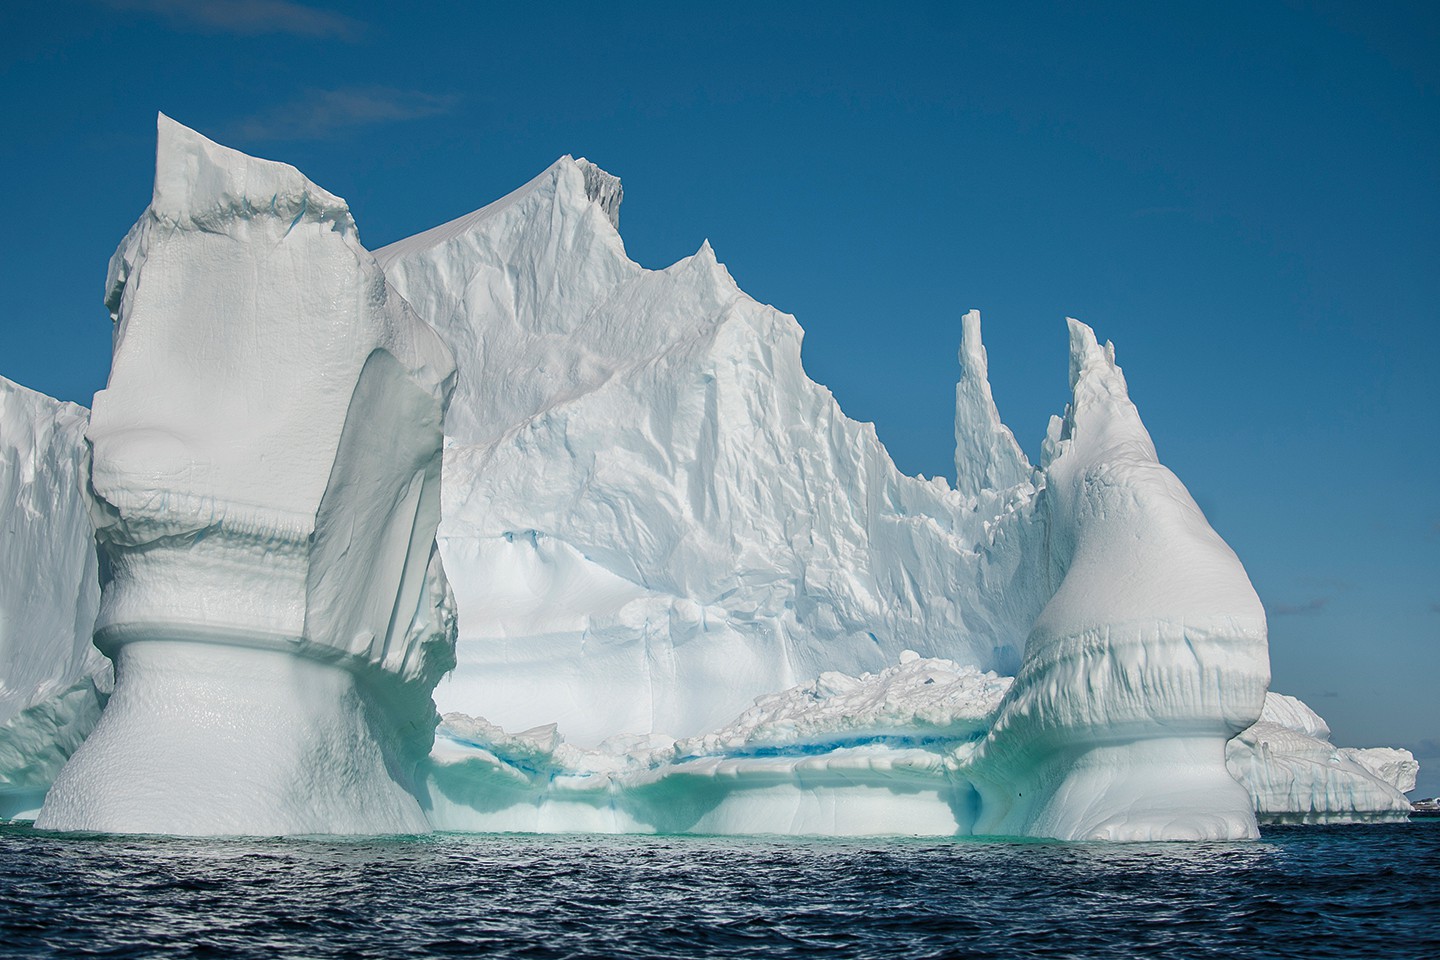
point(320, 114)
point(247, 17)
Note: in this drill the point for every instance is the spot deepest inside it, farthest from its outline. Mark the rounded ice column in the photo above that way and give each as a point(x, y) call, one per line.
point(265, 478)
point(1150, 654)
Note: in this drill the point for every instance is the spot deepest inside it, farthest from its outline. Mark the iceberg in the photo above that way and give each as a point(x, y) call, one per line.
point(685, 592)
point(1150, 652)
point(53, 682)
point(265, 488)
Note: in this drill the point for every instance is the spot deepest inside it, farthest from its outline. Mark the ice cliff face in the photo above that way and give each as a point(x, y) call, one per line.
point(266, 488)
point(53, 681)
point(651, 514)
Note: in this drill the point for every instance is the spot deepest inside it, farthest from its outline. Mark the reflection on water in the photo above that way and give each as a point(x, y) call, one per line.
point(1301, 892)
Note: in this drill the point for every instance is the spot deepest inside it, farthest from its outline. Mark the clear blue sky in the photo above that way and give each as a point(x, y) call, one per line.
point(1245, 197)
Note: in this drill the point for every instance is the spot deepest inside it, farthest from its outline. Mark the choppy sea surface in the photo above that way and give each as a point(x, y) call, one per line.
point(1311, 892)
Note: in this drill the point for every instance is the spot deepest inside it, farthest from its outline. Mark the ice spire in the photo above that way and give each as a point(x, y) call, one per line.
point(987, 458)
point(1149, 656)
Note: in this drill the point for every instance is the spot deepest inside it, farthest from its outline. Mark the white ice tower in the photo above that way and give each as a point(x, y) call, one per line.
point(266, 459)
point(1149, 655)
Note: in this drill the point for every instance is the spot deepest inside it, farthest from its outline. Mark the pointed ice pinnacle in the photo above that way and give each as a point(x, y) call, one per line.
point(987, 458)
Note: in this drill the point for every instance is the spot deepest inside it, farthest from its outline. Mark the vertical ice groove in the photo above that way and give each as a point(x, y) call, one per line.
point(604, 189)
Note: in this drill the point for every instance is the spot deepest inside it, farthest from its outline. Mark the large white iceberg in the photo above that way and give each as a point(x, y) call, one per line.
point(53, 681)
point(265, 478)
point(693, 596)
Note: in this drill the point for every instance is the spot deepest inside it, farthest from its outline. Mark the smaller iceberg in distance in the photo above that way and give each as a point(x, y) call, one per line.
point(265, 478)
point(1295, 774)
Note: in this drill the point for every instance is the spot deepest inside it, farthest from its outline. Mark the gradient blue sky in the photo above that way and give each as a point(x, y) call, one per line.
point(1245, 197)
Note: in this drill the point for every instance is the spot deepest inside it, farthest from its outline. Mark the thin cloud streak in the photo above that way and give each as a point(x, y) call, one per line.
point(321, 114)
point(1297, 609)
point(247, 18)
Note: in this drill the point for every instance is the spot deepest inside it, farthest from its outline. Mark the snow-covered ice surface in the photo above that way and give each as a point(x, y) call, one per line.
point(1294, 773)
point(53, 681)
point(266, 465)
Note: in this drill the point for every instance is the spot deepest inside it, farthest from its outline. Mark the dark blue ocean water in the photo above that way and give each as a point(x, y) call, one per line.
point(1311, 892)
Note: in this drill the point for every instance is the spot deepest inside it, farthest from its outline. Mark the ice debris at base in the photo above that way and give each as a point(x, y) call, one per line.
point(841, 755)
point(53, 681)
point(653, 521)
point(1294, 773)
point(265, 481)
point(885, 753)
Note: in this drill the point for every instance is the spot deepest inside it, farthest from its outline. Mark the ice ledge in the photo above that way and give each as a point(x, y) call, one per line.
point(198, 181)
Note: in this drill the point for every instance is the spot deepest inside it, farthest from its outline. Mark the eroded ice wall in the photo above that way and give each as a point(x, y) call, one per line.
point(266, 479)
point(53, 681)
